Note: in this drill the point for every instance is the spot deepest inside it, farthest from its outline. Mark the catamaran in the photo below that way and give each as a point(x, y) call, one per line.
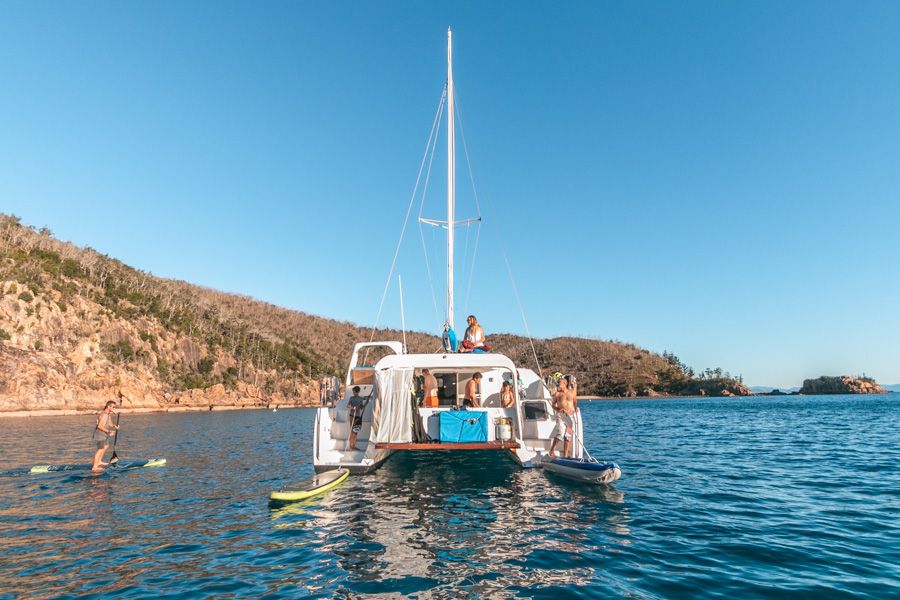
point(398, 418)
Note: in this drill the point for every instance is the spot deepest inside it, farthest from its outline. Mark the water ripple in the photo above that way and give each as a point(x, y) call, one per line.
point(720, 498)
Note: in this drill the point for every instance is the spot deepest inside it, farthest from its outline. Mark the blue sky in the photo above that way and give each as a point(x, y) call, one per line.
point(716, 179)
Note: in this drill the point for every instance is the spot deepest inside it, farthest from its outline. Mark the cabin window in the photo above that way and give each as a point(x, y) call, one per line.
point(535, 411)
point(363, 376)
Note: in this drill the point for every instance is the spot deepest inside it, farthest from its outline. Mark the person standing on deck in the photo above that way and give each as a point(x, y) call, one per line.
point(431, 389)
point(102, 434)
point(564, 403)
point(357, 405)
point(472, 391)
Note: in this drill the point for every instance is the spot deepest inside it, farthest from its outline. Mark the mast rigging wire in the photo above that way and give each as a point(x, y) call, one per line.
point(437, 316)
point(405, 221)
point(462, 133)
point(522, 311)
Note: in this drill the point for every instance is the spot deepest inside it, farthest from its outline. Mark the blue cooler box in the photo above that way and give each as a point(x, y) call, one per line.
point(463, 426)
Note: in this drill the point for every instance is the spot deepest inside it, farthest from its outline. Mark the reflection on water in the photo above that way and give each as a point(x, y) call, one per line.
point(718, 498)
point(468, 522)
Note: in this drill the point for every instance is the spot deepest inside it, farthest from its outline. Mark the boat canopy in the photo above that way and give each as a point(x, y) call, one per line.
point(467, 360)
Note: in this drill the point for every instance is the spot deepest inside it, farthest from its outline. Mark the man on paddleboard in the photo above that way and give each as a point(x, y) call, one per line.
point(102, 435)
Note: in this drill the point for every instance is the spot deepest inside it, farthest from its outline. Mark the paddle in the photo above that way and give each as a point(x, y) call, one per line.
point(115, 458)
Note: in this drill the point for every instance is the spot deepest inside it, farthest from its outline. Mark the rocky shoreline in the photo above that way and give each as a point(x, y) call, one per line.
point(69, 412)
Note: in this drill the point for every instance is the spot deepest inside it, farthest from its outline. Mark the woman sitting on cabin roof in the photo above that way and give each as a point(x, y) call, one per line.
point(474, 338)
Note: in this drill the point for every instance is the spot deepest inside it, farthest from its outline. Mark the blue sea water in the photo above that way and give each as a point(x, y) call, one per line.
point(720, 498)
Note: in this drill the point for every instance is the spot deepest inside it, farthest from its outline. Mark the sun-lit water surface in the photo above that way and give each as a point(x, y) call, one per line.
point(754, 497)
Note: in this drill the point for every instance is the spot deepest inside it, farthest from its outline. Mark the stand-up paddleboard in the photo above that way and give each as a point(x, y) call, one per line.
point(584, 470)
point(319, 484)
point(122, 465)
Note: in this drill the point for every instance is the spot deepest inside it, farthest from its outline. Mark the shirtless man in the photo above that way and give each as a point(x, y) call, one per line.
point(472, 391)
point(103, 433)
point(564, 403)
point(431, 389)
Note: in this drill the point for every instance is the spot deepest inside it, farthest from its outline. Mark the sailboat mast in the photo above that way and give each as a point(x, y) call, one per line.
point(451, 178)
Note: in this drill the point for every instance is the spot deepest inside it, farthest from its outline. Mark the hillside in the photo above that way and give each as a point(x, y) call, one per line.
point(78, 328)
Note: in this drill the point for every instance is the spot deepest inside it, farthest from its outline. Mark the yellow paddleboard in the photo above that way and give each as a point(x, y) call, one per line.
point(319, 484)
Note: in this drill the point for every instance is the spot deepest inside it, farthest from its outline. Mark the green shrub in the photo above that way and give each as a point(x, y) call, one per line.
point(192, 380)
point(71, 268)
point(26, 296)
point(121, 351)
point(206, 365)
point(4, 335)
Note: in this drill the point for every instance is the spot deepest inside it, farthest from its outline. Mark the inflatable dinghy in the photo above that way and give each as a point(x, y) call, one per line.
point(588, 471)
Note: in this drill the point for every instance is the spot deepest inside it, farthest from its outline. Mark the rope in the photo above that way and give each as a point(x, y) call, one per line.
point(462, 133)
point(522, 311)
point(465, 260)
point(472, 270)
point(405, 221)
point(437, 315)
point(502, 246)
point(580, 443)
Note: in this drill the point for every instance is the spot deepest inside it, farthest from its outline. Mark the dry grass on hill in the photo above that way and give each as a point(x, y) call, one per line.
point(191, 337)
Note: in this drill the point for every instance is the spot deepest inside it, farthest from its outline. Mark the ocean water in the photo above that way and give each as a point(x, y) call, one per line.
point(720, 498)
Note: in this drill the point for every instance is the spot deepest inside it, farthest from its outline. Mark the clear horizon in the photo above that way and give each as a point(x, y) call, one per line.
point(716, 181)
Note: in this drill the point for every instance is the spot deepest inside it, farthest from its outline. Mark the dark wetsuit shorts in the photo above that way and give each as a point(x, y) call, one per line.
point(101, 438)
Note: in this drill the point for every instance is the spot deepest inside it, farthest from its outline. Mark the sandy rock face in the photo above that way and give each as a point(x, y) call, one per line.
point(62, 359)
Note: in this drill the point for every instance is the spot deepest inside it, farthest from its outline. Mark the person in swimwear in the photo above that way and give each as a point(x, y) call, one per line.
point(430, 385)
point(474, 337)
point(507, 398)
point(102, 435)
point(565, 403)
point(472, 391)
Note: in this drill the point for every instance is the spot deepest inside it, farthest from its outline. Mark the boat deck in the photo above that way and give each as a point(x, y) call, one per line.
point(449, 446)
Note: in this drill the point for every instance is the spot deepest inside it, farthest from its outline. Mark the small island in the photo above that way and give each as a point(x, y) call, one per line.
point(843, 384)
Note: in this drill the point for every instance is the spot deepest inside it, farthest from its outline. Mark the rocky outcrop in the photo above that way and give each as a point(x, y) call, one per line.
point(76, 356)
point(841, 385)
point(718, 387)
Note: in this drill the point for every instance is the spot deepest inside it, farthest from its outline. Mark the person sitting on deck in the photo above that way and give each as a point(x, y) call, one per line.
point(507, 398)
point(430, 386)
point(472, 392)
point(356, 404)
point(474, 338)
